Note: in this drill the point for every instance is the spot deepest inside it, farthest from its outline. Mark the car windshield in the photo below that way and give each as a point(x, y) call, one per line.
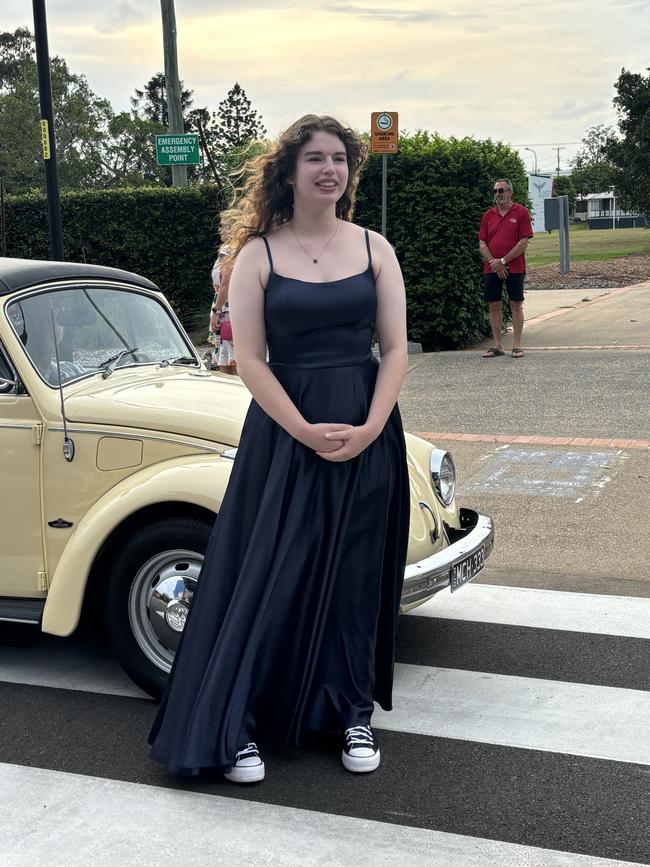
point(94, 327)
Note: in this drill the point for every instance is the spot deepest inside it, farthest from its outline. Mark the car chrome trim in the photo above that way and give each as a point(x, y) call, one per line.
point(435, 464)
point(432, 574)
point(19, 610)
point(123, 436)
point(159, 602)
point(433, 533)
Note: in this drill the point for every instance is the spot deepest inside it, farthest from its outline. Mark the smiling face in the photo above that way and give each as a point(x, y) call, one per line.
point(321, 173)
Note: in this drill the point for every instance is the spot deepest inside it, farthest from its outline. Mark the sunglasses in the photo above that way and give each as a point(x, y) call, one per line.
point(498, 190)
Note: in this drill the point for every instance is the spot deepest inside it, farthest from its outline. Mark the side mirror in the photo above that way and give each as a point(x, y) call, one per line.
point(8, 386)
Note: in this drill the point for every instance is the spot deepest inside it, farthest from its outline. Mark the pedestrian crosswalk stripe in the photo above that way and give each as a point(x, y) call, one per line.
point(554, 716)
point(107, 822)
point(545, 609)
point(557, 716)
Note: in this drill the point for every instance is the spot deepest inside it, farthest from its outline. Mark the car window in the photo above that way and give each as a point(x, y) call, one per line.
point(86, 326)
point(5, 370)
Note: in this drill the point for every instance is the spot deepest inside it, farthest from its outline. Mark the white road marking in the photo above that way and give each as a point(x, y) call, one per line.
point(70, 820)
point(546, 609)
point(571, 718)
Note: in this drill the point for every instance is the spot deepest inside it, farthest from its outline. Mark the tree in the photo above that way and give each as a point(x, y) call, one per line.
point(563, 186)
point(81, 120)
point(630, 155)
point(591, 167)
point(129, 158)
point(236, 123)
point(151, 102)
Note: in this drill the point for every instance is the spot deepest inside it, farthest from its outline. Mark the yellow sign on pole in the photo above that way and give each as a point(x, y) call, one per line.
point(383, 132)
point(45, 139)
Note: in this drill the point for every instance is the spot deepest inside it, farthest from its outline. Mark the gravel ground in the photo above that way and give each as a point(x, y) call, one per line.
point(607, 274)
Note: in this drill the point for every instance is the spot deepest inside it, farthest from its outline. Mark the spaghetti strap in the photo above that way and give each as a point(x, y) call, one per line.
point(268, 252)
point(368, 246)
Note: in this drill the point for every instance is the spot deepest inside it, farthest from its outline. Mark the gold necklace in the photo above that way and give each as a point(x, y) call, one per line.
point(329, 240)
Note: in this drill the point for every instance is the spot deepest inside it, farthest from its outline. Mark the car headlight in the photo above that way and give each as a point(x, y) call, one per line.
point(443, 475)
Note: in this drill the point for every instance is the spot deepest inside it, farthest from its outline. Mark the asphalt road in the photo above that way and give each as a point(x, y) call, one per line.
point(568, 517)
point(521, 737)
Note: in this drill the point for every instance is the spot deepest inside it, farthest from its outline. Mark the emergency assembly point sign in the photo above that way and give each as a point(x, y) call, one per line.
point(383, 132)
point(177, 150)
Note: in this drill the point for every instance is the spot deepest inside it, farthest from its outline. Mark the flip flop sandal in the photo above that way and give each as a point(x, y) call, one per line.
point(492, 352)
point(517, 353)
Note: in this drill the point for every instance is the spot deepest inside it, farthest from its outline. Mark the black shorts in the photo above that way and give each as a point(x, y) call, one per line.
point(493, 287)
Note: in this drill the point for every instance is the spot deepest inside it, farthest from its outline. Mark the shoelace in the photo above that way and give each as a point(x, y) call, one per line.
point(359, 736)
point(249, 750)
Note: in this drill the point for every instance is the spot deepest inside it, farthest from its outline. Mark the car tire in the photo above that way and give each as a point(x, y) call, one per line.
point(145, 603)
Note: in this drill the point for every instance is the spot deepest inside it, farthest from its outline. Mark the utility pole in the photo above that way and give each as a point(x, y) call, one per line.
point(558, 149)
point(172, 83)
point(48, 139)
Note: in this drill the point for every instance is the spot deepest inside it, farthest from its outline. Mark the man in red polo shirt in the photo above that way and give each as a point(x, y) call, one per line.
point(502, 241)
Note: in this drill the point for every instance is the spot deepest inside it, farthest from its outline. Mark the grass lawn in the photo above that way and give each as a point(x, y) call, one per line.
point(587, 245)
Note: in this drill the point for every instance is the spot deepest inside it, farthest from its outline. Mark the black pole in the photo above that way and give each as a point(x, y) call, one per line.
point(48, 139)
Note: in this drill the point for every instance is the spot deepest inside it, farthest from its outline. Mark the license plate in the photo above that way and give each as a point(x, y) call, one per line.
point(466, 569)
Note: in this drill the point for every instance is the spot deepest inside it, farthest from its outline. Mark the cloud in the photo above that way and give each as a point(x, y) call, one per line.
point(122, 14)
point(396, 15)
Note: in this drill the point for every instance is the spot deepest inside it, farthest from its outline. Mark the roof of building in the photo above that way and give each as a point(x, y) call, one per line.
point(20, 273)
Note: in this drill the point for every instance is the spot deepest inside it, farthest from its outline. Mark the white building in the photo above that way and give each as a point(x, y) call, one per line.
point(600, 211)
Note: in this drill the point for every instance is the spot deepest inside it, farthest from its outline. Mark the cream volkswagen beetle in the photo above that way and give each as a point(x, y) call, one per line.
point(115, 450)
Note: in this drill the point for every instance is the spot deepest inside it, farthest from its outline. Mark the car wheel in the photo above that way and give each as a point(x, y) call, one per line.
point(148, 595)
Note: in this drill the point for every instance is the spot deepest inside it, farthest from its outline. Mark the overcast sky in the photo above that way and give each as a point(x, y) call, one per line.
point(527, 73)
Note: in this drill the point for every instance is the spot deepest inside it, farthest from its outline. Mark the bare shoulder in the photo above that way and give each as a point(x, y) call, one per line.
point(252, 261)
point(251, 252)
point(383, 253)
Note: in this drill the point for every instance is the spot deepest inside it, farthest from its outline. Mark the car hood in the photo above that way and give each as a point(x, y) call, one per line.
point(197, 404)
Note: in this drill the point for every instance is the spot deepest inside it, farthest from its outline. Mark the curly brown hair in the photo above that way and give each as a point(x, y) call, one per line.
point(266, 196)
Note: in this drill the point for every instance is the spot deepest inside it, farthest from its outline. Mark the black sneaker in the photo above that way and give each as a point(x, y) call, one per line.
point(248, 766)
point(361, 751)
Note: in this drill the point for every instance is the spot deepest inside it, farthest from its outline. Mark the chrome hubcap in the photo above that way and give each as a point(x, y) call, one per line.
point(159, 602)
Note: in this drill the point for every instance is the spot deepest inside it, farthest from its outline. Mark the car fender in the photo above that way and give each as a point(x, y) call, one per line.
point(199, 481)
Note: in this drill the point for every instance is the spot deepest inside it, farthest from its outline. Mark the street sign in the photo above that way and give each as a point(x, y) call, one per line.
point(383, 132)
point(175, 149)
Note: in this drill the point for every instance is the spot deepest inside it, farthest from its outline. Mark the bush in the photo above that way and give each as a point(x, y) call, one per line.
point(438, 190)
point(168, 235)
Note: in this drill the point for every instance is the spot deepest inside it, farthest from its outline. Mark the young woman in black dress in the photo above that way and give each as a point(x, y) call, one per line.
point(292, 627)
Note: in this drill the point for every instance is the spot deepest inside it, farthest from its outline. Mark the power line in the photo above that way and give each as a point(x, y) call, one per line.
point(544, 144)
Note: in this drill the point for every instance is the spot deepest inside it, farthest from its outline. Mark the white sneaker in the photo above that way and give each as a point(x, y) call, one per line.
point(248, 766)
point(361, 751)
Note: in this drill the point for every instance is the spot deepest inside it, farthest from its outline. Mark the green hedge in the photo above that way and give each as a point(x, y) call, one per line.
point(168, 235)
point(437, 190)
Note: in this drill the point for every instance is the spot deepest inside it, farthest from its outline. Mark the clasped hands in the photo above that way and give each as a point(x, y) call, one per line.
point(337, 442)
point(499, 268)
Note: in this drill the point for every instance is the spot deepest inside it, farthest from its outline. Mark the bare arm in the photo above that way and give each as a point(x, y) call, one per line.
point(391, 333)
point(249, 277)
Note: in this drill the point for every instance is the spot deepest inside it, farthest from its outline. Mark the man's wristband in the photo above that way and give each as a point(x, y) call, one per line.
point(503, 261)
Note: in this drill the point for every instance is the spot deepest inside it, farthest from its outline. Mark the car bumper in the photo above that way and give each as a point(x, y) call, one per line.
point(423, 579)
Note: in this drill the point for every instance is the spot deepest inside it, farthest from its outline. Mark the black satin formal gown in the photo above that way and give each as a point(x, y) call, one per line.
point(292, 626)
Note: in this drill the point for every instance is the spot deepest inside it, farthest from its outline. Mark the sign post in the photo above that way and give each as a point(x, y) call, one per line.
point(383, 140)
point(177, 149)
